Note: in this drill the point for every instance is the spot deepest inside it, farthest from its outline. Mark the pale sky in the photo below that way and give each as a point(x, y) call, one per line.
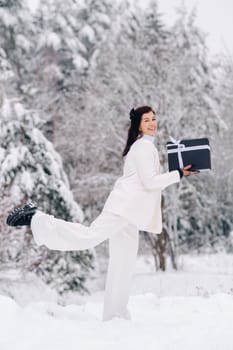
point(215, 17)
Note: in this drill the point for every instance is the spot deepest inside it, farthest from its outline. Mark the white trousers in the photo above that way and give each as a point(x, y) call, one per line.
point(123, 237)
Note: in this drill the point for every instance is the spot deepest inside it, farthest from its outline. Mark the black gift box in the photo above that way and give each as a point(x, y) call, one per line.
point(185, 152)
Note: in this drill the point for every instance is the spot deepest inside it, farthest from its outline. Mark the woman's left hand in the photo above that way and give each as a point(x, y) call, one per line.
point(187, 172)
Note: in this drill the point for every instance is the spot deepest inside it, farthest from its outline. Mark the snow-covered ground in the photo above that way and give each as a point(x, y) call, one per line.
point(186, 310)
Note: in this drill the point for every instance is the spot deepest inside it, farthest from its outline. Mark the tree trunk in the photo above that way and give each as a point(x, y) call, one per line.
point(161, 246)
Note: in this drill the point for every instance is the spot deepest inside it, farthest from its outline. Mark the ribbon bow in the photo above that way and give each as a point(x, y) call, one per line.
point(132, 114)
point(180, 146)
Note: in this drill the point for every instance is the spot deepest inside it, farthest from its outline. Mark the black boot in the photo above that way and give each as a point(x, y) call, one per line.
point(21, 216)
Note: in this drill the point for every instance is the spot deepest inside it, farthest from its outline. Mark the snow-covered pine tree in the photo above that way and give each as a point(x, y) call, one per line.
point(189, 110)
point(31, 169)
point(69, 34)
point(84, 118)
point(104, 104)
point(17, 33)
point(223, 183)
point(177, 80)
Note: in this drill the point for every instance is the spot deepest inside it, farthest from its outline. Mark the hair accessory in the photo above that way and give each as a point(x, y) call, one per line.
point(132, 113)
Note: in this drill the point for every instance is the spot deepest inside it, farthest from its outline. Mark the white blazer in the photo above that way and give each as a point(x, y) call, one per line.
point(136, 195)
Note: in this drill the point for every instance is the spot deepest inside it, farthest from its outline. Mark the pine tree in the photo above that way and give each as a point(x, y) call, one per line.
point(178, 81)
point(17, 32)
point(190, 107)
point(223, 150)
point(82, 116)
point(31, 169)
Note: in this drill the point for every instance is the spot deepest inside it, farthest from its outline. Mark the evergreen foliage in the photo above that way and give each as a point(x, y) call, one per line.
point(31, 170)
point(79, 67)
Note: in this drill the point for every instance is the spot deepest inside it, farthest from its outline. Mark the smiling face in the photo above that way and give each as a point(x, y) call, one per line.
point(148, 125)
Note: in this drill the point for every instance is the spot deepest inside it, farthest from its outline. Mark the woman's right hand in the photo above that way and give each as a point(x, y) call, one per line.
point(187, 172)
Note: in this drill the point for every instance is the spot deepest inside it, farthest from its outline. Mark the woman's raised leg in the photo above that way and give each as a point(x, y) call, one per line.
point(58, 234)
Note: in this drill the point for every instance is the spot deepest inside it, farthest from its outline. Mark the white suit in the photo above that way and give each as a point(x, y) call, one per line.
point(134, 204)
point(136, 195)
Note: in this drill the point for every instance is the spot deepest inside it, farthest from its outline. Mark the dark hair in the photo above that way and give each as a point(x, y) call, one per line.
point(133, 132)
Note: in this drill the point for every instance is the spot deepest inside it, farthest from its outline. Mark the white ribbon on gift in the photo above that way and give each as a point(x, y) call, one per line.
point(182, 148)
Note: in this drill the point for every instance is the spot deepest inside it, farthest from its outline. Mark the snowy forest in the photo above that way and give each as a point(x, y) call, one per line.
point(69, 74)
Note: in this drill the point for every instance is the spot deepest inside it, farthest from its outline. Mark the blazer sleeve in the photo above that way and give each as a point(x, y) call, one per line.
point(145, 158)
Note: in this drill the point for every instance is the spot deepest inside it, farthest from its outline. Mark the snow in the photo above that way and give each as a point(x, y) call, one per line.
point(87, 33)
point(49, 39)
point(12, 159)
point(80, 63)
point(33, 5)
point(23, 43)
point(6, 18)
point(103, 18)
point(173, 317)
point(5, 72)
point(6, 109)
point(2, 154)
point(27, 182)
point(19, 109)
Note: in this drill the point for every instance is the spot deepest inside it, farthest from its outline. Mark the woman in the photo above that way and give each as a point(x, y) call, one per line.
point(134, 204)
